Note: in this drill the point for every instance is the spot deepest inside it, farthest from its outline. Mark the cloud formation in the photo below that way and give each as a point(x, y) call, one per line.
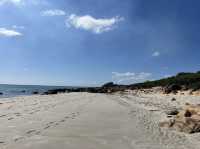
point(167, 75)
point(16, 2)
point(22, 2)
point(130, 77)
point(156, 54)
point(53, 12)
point(92, 24)
point(18, 27)
point(9, 33)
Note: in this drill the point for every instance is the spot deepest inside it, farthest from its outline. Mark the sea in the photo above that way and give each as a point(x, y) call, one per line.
point(22, 90)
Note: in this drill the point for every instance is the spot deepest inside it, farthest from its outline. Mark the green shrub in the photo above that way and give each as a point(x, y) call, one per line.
point(186, 79)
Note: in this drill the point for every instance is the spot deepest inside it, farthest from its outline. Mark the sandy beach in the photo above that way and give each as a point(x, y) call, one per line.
point(92, 121)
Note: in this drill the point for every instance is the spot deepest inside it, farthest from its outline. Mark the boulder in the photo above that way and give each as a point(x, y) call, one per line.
point(172, 111)
point(1, 93)
point(54, 91)
point(173, 99)
point(187, 120)
point(35, 92)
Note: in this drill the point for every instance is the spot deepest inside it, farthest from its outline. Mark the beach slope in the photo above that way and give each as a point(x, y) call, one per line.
point(89, 121)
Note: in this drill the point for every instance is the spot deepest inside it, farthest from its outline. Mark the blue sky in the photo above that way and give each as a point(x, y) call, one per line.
point(89, 42)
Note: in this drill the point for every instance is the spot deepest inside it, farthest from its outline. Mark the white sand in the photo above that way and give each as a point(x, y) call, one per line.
point(91, 121)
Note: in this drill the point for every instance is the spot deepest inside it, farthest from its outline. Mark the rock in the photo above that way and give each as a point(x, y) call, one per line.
point(109, 84)
point(167, 124)
point(50, 92)
point(189, 125)
point(1, 93)
point(187, 104)
point(187, 120)
point(35, 92)
point(191, 93)
point(187, 113)
point(173, 111)
point(172, 89)
point(174, 92)
point(54, 91)
point(173, 99)
point(169, 116)
point(106, 88)
point(94, 90)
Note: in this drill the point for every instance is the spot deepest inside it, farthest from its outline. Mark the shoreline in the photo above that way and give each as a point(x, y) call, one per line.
point(108, 88)
point(136, 91)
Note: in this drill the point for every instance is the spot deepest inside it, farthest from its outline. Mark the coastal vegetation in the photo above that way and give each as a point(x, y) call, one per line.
point(187, 80)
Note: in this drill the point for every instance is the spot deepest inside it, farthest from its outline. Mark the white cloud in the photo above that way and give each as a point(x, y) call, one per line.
point(90, 23)
point(18, 27)
point(53, 12)
point(23, 2)
point(167, 76)
point(16, 2)
point(130, 77)
point(156, 54)
point(9, 33)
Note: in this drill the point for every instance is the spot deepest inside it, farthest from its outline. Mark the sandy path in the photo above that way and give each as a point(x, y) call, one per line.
point(89, 121)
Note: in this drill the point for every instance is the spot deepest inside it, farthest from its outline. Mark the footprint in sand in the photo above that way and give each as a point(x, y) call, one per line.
point(38, 132)
point(66, 117)
point(49, 125)
point(62, 121)
point(56, 124)
point(10, 118)
point(17, 114)
point(34, 111)
point(3, 115)
point(31, 112)
point(74, 115)
point(18, 139)
point(31, 132)
point(46, 127)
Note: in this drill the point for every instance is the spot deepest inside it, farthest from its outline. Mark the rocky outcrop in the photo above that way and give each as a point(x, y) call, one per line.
point(108, 85)
point(106, 88)
point(54, 91)
point(187, 120)
point(172, 88)
point(35, 92)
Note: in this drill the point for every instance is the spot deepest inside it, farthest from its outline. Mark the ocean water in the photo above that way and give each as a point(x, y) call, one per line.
point(20, 90)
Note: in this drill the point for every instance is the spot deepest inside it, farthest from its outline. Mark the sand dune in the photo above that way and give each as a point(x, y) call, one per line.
point(91, 121)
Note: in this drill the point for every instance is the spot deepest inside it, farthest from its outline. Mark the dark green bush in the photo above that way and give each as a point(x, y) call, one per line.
point(186, 79)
